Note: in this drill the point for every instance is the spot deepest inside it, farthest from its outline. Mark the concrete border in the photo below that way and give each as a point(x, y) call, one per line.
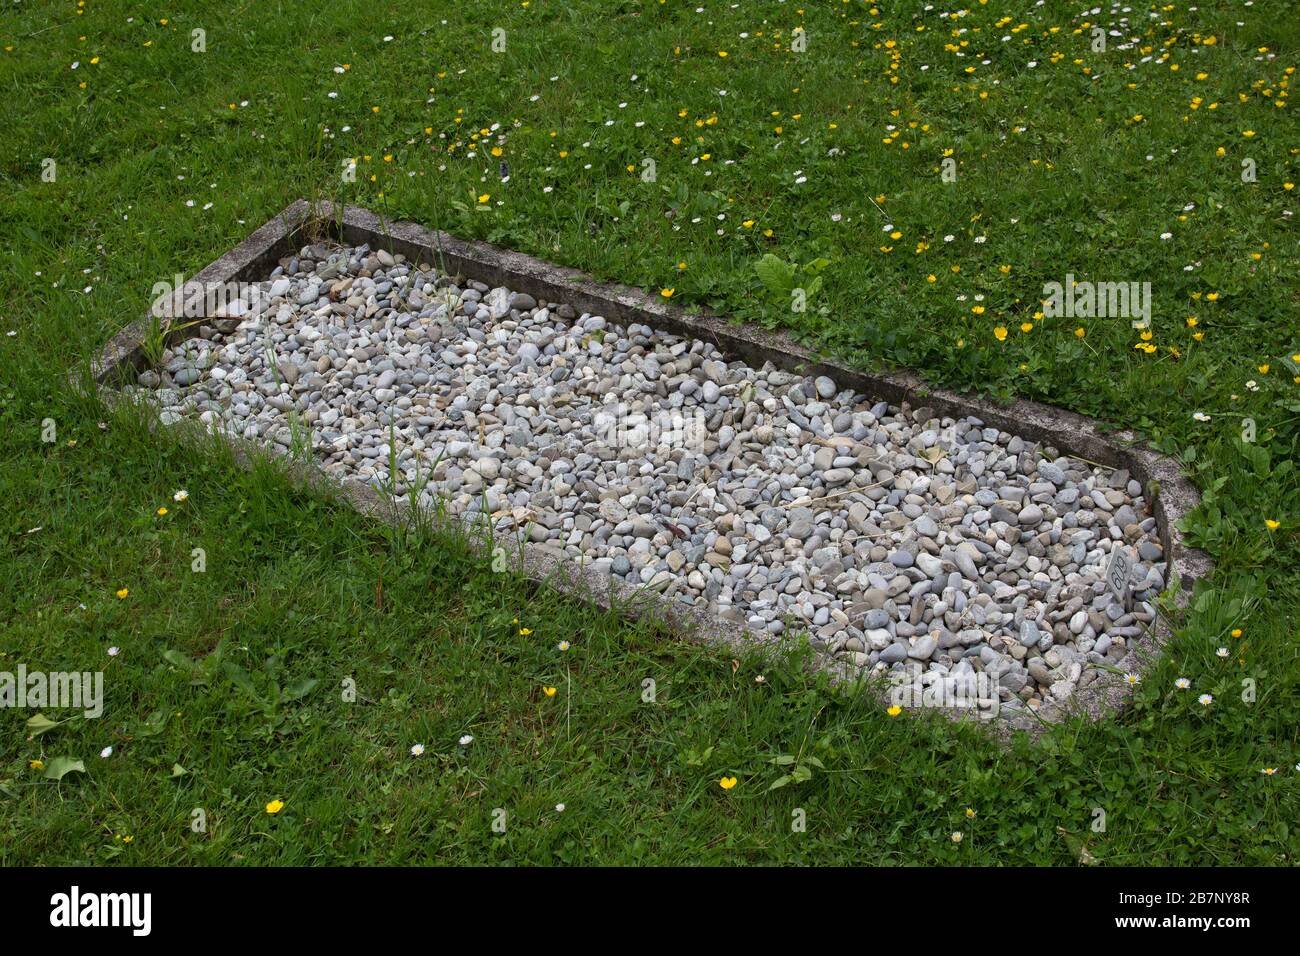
point(1073, 434)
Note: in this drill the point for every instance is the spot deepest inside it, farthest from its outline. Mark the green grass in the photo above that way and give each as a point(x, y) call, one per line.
point(1051, 171)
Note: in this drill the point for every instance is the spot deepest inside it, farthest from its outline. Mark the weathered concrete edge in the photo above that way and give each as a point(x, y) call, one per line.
point(245, 261)
point(1070, 432)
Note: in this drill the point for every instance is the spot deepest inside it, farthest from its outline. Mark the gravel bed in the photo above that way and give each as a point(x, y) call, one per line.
point(897, 539)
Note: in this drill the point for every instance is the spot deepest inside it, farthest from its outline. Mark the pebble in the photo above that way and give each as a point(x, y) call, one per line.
point(756, 494)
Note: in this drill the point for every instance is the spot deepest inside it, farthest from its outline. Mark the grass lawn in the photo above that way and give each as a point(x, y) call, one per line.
point(1169, 157)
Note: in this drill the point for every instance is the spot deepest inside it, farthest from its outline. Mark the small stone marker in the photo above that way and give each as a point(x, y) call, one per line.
point(1118, 573)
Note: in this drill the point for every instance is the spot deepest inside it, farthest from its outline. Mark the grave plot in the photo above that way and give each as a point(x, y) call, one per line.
point(903, 541)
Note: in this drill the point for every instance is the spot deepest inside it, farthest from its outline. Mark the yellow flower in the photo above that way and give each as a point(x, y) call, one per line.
point(121, 594)
point(1263, 369)
point(748, 224)
point(1000, 333)
point(161, 512)
point(1288, 186)
point(667, 293)
point(548, 691)
point(36, 764)
point(1026, 326)
point(970, 814)
point(485, 197)
point(894, 711)
point(931, 278)
point(977, 309)
point(1236, 632)
point(1212, 296)
point(1272, 525)
point(726, 783)
point(525, 631)
point(496, 150)
point(275, 806)
point(1198, 335)
point(1079, 332)
point(722, 53)
point(681, 266)
point(1192, 321)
